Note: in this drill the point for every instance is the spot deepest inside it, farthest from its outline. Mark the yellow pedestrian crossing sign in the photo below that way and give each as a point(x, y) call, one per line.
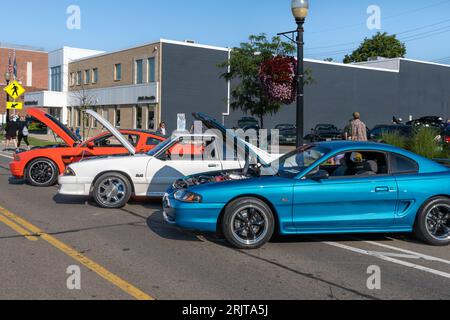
point(14, 105)
point(15, 90)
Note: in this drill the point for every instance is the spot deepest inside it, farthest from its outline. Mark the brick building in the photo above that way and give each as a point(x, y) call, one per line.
point(32, 70)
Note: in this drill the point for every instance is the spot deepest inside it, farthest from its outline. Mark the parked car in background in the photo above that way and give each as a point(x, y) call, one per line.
point(42, 166)
point(323, 188)
point(324, 132)
point(287, 134)
point(431, 121)
point(376, 134)
point(248, 123)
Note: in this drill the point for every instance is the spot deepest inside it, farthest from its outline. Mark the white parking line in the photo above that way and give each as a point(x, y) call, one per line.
point(419, 255)
point(381, 256)
point(6, 156)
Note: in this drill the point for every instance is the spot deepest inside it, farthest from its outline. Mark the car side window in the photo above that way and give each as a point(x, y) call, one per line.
point(356, 164)
point(152, 141)
point(402, 165)
point(110, 141)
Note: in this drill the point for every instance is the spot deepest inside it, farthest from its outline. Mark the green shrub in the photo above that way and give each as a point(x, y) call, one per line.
point(395, 139)
point(35, 126)
point(424, 142)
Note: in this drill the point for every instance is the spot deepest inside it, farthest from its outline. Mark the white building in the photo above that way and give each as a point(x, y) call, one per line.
point(56, 98)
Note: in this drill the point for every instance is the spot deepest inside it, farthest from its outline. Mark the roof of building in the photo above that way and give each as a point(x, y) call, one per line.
point(6, 45)
point(180, 43)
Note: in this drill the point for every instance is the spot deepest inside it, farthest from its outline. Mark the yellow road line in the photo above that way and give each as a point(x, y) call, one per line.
point(18, 229)
point(95, 267)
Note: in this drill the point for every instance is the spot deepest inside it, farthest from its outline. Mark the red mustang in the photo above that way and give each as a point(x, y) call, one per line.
point(42, 166)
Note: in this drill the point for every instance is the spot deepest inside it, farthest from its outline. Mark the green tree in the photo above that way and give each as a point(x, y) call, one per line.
point(249, 95)
point(380, 45)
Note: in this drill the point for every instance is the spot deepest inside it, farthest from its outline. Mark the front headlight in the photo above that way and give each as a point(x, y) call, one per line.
point(69, 172)
point(186, 196)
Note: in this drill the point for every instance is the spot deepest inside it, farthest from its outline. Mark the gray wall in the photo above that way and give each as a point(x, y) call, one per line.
point(191, 83)
point(419, 89)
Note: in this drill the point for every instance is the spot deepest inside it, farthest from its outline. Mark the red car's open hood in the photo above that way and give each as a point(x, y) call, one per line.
point(55, 125)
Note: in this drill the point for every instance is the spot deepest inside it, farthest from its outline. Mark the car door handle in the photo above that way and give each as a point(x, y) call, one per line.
point(212, 165)
point(382, 189)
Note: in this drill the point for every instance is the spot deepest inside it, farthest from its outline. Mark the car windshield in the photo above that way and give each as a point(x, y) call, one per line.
point(285, 127)
point(294, 163)
point(325, 127)
point(163, 145)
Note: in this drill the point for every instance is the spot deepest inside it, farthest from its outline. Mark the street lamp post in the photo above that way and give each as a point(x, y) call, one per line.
point(300, 10)
point(7, 79)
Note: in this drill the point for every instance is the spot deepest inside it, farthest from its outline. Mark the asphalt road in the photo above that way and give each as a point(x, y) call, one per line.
point(131, 253)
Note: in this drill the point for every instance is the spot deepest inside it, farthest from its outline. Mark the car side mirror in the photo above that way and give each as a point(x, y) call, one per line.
point(319, 175)
point(91, 145)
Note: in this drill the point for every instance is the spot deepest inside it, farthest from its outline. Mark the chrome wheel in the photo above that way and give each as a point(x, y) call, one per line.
point(111, 191)
point(438, 222)
point(249, 225)
point(41, 172)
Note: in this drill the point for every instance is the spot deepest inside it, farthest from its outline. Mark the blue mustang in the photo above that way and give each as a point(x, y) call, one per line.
point(324, 188)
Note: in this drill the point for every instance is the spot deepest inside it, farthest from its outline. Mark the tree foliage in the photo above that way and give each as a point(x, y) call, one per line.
point(380, 45)
point(249, 94)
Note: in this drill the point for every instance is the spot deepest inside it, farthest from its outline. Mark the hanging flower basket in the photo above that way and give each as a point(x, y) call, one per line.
point(277, 76)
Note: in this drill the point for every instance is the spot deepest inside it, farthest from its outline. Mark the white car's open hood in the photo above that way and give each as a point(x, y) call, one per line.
point(108, 126)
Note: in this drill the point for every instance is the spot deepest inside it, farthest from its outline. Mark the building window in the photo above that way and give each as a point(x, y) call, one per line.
point(79, 77)
point(139, 73)
point(87, 76)
point(72, 79)
point(151, 118)
point(118, 72)
point(117, 117)
point(29, 74)
point(79, 118)
point(95, 75)
point(55, 79)
point(138, 119)
point(151, 70)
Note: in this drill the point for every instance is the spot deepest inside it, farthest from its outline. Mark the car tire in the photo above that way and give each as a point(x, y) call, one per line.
point(42, 172)
point(248, 223)
point(112, 191)
point(433, 222)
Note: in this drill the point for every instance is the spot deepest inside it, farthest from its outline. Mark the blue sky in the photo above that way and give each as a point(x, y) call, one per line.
point(331, 27)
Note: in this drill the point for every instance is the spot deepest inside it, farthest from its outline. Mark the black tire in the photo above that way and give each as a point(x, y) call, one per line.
point(118, 193)
point(242, 226)
point(42, 172)
point(425, 223)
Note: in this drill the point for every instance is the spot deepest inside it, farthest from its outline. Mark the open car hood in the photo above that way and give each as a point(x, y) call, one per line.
point(55, 125)
point(108, 126)
point(263, 157)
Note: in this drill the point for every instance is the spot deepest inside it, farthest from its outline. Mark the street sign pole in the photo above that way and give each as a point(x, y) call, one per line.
point(7, 100)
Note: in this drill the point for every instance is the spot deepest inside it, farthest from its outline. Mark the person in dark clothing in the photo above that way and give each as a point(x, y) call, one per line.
point(11, 133)
point(23, 132)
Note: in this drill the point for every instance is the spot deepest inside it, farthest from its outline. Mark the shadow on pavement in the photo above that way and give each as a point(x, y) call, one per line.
point(61, 199)
point(157, 224)
point(17, 182)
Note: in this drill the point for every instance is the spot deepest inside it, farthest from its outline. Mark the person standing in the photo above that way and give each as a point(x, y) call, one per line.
point(359, 128)
point(11, 133)
point(162, 129)
point(23, 132)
